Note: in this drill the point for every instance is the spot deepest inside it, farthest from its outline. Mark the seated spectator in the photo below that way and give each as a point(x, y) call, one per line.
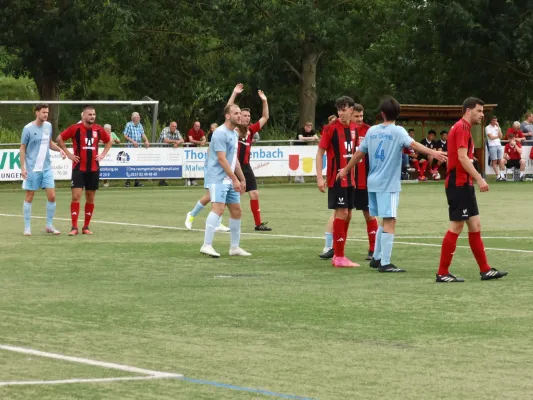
point(430, 143)
point(513, 156)
point(115, 139)
point(306, 134)
point(171, 136)
point(516, 132)
point(527, 126)
point(414, 162)
point(442, 145)
point(196, 137)
point(212, 128)
point(494, 134)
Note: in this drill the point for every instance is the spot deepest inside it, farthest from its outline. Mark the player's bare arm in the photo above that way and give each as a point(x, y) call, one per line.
point(22, 157)
point(265, 115)
point(420, 148)
point(319, 167)
point(465, 161)
point(61, 143)
point(221, 156)
point(55, 147)
point(358, 156)
point(238, 90)
point(240, 175)
point(104, 152)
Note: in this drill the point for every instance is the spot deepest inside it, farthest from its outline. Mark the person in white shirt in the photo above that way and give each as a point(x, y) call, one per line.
point(494, 134)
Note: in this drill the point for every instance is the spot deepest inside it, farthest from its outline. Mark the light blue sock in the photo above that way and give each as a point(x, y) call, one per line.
point(197, 208)
point(235, 231)
point(211, 223)
point(50, 211)
point(27, 215)
point(387, 240)
point(329, 240)
point(377, 247)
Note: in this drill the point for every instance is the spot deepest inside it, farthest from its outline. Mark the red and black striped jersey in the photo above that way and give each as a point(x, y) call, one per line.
point(85, 144)
point(459, 137)
point(339, 141)
point(245, 144)
point(362, 167)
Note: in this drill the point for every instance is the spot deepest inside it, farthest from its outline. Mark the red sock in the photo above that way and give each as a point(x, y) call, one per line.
point(477, 247)
point(346, 226)
point(74, 213)
point(372, 229)
point(416, 164)
point(339, 238)
point(422, 169)
point(89, 209)
point(254, 205)
point(449, 244)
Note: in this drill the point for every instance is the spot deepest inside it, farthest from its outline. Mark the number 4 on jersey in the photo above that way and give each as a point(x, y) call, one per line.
point(380, 152)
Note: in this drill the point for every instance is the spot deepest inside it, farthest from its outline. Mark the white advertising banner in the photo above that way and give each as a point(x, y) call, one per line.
point(10, 166)
point(174, 163)
point(265, 161)
point(526, 151)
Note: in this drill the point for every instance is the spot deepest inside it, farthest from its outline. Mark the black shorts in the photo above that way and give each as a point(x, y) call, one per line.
point(462, 202)
point(249, 176)
point(513, 164)
point(339, 197)
point(85, 180)
point(360, 199)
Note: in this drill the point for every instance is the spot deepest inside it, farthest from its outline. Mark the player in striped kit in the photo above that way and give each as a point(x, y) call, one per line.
point(36, 167)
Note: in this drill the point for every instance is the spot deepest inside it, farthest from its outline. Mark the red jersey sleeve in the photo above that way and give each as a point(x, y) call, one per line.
point(104, 136)
point(254, 128)
point(507, 148)
point(463, 137)
point(325, 140)
point(67, 133)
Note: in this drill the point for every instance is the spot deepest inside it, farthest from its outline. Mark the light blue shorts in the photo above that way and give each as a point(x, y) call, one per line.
point(383, 204)
point(495, 153)
point(39, 180)
point(224, 193)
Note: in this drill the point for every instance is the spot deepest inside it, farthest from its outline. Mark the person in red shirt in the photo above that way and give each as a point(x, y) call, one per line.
point(196, 137)
point(85, 136)
point(512, 155)
point(514, 130)
point(462, 197)
point(338, 142)
point(360, 190)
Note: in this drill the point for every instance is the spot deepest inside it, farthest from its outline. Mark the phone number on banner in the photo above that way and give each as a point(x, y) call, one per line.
point(141, 172)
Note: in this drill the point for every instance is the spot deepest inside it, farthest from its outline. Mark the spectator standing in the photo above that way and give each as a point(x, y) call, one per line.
point(513, 156)
point(515, 131)
point(134, 133)
point(172, 137)
point(494, 134)
point(115, 139)
point(196, 138)
point(212, 128)
point(527, 126)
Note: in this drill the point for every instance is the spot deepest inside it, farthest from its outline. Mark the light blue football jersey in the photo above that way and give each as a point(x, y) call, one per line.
point(37, 141)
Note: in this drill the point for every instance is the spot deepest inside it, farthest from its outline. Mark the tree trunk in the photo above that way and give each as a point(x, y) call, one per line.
point(48, 87)
point(308, 98)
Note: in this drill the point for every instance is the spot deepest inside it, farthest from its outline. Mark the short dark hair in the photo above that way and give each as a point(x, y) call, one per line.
point(344, 101)
point(443, 132)
point(40, 106)
point(88, 107)
point(410, 130)
point(432, 132)
point(390, 107)
point(358, 107)
point(245, 109)
point(495, 117)
point(528, 114)
point(471, 103)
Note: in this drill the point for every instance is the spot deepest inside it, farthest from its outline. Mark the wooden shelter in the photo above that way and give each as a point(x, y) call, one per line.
point(440, 113)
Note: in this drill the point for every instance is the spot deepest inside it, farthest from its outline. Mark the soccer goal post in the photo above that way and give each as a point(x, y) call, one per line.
point(145, 101)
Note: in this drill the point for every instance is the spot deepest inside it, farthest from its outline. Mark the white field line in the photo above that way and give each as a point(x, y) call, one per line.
point(95, 380)
point(87, 361)
point(270, 235)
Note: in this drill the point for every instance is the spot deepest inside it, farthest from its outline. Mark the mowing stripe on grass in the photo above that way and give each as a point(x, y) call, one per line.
point(268, 235)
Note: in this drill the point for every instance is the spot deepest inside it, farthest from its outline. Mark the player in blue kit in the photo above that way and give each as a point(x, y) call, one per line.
point(36, 167)
point(384, 143)
point(226, 182)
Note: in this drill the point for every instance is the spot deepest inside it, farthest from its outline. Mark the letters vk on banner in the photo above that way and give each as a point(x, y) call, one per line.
point(10, 166)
